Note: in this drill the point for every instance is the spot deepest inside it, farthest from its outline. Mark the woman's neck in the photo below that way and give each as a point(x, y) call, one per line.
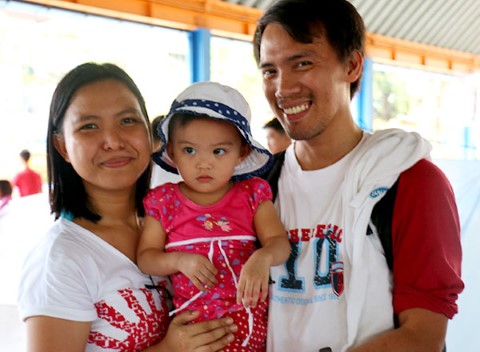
point(115, 206)
point(119, 224)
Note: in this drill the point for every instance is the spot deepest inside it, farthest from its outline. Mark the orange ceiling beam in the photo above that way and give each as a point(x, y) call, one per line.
point(418, 55)
point(221, 17)
point(239, 22)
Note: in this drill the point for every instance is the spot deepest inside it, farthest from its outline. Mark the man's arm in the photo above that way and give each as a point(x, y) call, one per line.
point(426, 262)
point(420, 330)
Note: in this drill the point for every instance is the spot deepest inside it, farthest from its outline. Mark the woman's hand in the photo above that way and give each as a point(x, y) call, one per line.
point(206, 336)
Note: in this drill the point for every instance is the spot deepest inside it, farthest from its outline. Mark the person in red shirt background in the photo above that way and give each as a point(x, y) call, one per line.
point(27, 181)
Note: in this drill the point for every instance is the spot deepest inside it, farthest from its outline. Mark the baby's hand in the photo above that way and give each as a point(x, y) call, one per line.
point(199, 270)
point(253, 283)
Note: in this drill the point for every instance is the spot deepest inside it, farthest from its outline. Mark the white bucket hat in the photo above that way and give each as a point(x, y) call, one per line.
point(221, 103)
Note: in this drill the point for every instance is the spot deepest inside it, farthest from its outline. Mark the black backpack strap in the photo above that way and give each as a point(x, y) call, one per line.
point(382, 217)
point(273, 174)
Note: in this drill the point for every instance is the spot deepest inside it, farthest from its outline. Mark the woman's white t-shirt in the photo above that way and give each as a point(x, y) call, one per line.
point(73, 274)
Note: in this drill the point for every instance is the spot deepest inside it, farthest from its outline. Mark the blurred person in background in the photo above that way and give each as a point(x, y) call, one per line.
point(5, 194)
point(277, 138)
point(27, 181)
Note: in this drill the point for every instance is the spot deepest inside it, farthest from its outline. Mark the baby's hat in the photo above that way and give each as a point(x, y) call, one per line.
point(221, 103)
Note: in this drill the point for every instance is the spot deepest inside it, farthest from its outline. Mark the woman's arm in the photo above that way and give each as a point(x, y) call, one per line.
point(207, 336)
point(45, 334)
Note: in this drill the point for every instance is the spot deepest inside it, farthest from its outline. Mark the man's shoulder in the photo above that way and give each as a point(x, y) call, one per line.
point(424, 171)
point(426, 183)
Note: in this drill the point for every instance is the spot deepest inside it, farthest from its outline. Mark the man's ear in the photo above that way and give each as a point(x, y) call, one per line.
point(354, 66)
point(59, 144)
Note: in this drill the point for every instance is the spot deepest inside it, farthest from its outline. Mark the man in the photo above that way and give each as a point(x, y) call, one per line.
point(27, 181)
point(336, 292)
point(277, 139)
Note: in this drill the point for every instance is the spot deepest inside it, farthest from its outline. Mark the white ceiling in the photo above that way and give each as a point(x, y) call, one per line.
point(449, 24)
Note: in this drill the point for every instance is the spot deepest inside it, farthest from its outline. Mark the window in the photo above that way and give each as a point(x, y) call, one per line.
point(441, 107)
point(233, 64)
point(38, 45)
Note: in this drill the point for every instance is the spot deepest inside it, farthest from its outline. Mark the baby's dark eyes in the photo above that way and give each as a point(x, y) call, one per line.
point(189, 150)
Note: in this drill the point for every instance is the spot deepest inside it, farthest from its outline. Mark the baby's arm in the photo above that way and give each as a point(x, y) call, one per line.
point(152, 258)
point(274, 251)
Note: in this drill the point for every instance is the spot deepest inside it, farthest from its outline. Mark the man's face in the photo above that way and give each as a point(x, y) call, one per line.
point(306, 84)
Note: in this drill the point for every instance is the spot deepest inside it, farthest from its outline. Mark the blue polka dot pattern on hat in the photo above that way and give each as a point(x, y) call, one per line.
point(230, 114)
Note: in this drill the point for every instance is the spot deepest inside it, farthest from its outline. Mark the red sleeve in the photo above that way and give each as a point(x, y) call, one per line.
point(426, 242)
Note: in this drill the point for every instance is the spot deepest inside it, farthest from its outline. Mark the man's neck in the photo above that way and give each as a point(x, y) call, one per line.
point(326, 149)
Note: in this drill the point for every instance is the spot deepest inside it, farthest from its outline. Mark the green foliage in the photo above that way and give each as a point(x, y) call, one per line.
point(390, 97)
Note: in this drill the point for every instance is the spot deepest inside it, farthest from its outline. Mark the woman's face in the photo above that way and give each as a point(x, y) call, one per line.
point(105, 136)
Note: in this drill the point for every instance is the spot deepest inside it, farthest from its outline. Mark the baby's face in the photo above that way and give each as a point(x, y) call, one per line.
point(206, 152)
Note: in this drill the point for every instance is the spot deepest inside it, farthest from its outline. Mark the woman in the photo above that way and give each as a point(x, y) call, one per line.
point(81, 288)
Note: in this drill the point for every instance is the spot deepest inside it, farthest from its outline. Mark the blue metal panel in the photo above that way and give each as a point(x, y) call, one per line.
point(365, 97)
point(200, 55)
point(469, 145)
